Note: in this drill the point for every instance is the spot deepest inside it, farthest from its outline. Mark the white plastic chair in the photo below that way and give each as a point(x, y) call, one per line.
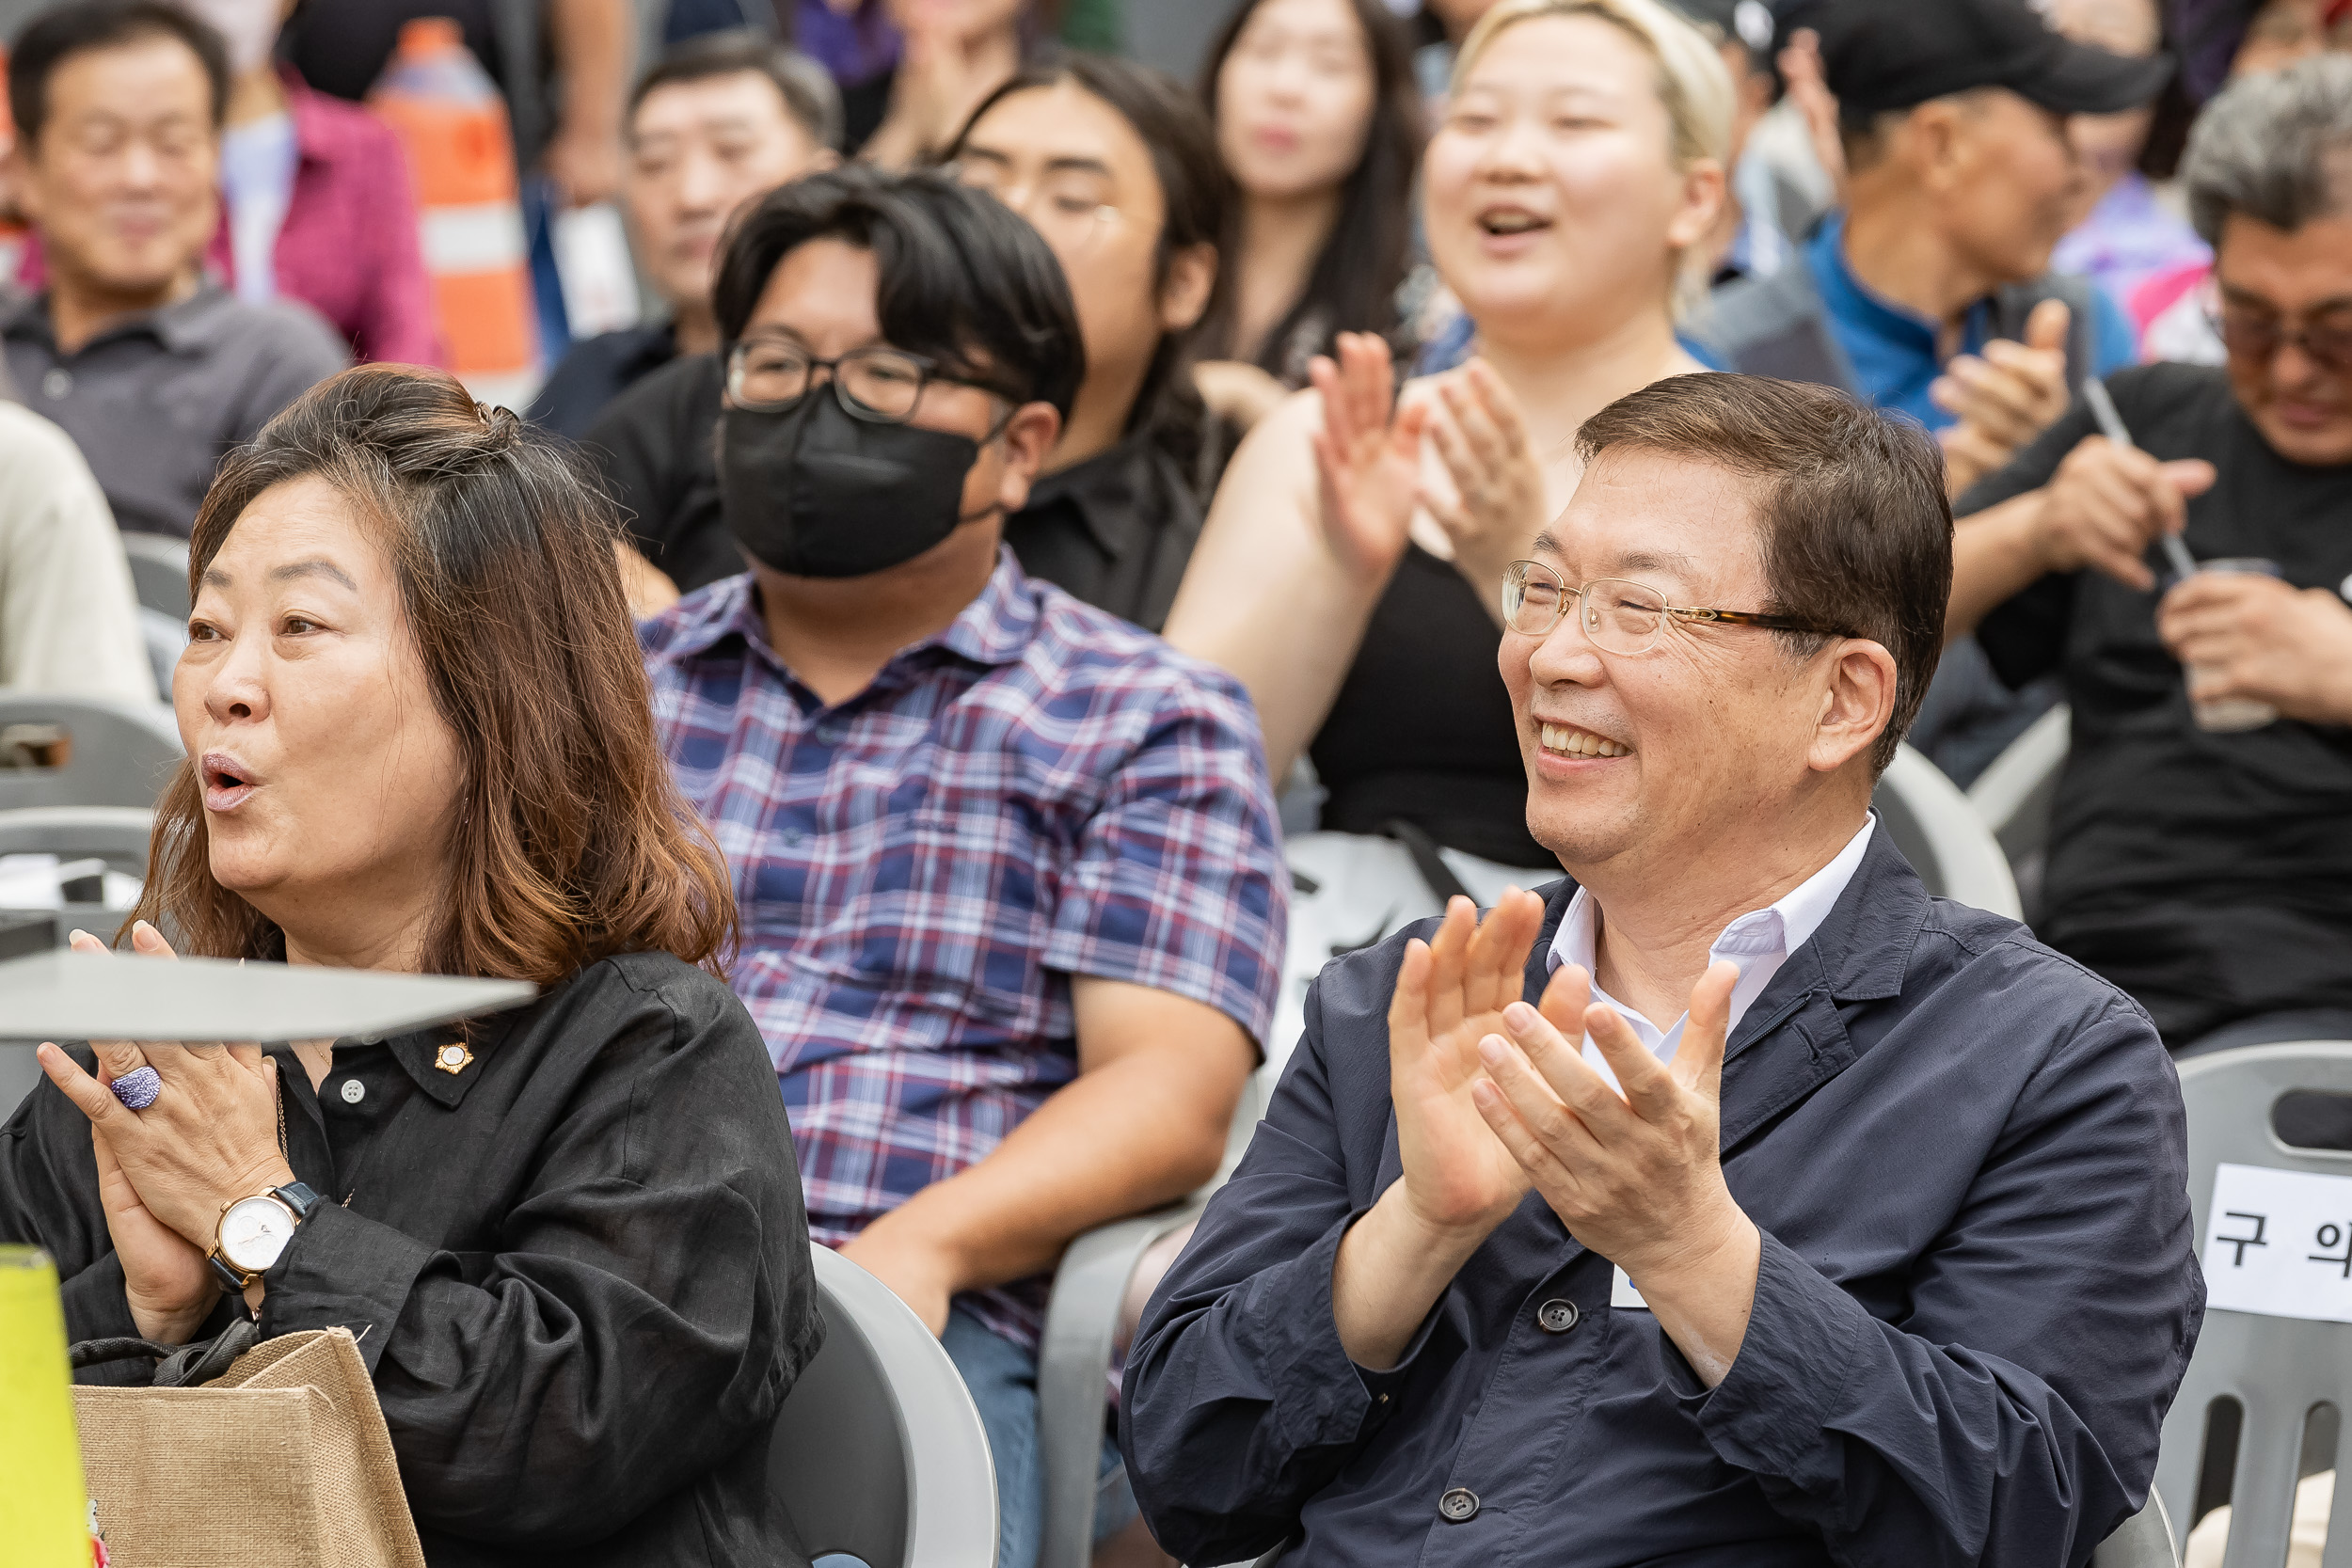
point(2144, 1541)
point(878, 1451)
point(2015, 795)
point(2278, 1369)
point(122, 754)
point(159, 572)
point(1940, 834)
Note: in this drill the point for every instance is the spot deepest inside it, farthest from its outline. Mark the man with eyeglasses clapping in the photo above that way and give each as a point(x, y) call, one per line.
point(1735, 1204)
point(2198, 855)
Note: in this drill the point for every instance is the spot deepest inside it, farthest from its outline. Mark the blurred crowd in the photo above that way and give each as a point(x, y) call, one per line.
point(1264, 382)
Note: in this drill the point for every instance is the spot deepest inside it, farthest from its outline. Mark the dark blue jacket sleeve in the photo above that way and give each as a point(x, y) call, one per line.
point(2012, 1414)
point(1240, 1403)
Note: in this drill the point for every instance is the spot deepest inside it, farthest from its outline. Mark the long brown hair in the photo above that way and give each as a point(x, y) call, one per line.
point(572, 842)
point(1353, 285)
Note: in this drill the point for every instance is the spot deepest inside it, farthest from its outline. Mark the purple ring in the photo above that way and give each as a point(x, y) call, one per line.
point(138, 1090)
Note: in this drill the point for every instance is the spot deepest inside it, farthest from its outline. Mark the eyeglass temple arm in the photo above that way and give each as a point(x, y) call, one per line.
point(1750, 618)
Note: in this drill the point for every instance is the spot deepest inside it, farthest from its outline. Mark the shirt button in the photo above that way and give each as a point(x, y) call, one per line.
point(1457, 1506)
point(353, 1091)
point(831, 735)
point(1556, 1317)
point(59, 383)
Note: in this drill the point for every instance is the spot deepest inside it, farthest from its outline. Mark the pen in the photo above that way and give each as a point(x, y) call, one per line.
point(2111, 426)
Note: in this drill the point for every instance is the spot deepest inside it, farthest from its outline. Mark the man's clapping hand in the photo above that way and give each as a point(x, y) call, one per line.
point(2003, 397)
point(1459, 1182)
point(2258, 637)
point(1635, 1176)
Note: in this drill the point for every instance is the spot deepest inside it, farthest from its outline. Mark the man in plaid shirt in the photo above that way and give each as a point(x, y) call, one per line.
point(1012, 889)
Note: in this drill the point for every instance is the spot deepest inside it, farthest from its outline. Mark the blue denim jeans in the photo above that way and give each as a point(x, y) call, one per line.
point(1002, 1377)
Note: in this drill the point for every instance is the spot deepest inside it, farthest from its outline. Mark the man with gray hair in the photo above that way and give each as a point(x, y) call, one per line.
point(2199, 856)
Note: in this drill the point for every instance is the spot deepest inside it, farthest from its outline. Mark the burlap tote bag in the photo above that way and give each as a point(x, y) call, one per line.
point(282, 1461)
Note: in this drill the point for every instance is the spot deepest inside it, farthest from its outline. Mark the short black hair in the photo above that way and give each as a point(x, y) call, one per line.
point(79, 27)
point(964, 279)
point(806, 88)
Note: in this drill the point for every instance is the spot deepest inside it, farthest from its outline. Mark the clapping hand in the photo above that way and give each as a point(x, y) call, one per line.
point(2004, 397)
point(1497, 507)
point(1451, 993)
point(209, 1138)
point(1368, 456)
point(1636, 1176)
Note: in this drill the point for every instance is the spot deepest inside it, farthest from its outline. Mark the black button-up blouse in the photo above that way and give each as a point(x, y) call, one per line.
point(578, 1265)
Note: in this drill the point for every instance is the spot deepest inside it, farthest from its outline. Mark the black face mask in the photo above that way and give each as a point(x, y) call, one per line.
point(816, 491)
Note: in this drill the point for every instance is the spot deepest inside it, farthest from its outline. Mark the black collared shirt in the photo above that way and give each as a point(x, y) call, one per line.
point(597, 370)
point(577, 1265)
point(2208, 874)
point(157, 399)
point(1115, 531)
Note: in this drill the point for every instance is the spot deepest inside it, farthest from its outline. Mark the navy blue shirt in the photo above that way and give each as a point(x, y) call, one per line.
point(1977, 1293)
point(1893, 349)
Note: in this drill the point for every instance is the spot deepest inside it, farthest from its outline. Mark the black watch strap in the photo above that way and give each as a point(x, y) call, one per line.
point(297, 1198)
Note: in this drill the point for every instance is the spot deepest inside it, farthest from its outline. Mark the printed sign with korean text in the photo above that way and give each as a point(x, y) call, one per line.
point(2279, 1242)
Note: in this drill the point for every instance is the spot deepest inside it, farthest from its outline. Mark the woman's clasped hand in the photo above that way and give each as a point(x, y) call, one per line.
point(166, 1172)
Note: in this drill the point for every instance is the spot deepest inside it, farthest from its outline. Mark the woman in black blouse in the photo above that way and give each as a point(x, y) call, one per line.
point(569, 1238)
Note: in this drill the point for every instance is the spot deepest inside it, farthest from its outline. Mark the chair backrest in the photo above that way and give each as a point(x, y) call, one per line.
point(159, 572)
point(164, 640)
point(116, 835)
point(2278, 1369)
point(2015, 795)
point(878, 1451)
point(2142, 1541)
point(1942, 836)
point(123, 753)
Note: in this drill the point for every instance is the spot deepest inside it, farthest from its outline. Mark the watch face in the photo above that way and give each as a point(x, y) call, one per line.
point(254, 1231)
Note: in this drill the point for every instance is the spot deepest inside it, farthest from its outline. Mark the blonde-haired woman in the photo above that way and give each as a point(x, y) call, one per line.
point(1349, 569)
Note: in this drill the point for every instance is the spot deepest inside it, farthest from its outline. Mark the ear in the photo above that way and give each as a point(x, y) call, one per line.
point(16, 180)
point(1702, 189)
point(1191, 279)
point(1027, 440)
point(1934, 141)
point(1857, 704)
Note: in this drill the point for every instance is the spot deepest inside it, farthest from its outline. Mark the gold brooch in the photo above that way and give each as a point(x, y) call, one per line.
point(454, 1059)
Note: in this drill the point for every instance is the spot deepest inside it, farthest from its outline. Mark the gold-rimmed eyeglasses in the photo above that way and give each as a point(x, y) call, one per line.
point(1620, 617)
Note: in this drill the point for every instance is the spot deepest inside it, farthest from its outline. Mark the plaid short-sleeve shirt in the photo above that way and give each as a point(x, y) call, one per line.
point(1039, 792)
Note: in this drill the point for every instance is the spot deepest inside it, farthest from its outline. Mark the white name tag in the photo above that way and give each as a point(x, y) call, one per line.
point(2279, 1242)
point(1621, 1291)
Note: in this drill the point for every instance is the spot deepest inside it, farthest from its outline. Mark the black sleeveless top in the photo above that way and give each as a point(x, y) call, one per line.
point(1422, 728)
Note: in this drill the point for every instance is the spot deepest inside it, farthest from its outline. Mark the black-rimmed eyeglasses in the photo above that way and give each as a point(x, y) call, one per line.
point(885, 385)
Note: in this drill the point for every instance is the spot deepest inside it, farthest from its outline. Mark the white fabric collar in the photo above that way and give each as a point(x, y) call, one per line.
point(1758, 942)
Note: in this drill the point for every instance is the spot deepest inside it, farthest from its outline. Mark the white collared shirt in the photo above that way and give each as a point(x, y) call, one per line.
point(1758, 942)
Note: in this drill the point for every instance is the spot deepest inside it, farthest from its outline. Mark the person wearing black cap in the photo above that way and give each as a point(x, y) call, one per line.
point(1921, 294)
point(1930, 292)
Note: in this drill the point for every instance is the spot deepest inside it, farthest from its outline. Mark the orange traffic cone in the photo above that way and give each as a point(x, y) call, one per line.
point(451, 119)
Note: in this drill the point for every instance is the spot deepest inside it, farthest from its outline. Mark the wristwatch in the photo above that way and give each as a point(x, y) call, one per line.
point(253, 1231)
